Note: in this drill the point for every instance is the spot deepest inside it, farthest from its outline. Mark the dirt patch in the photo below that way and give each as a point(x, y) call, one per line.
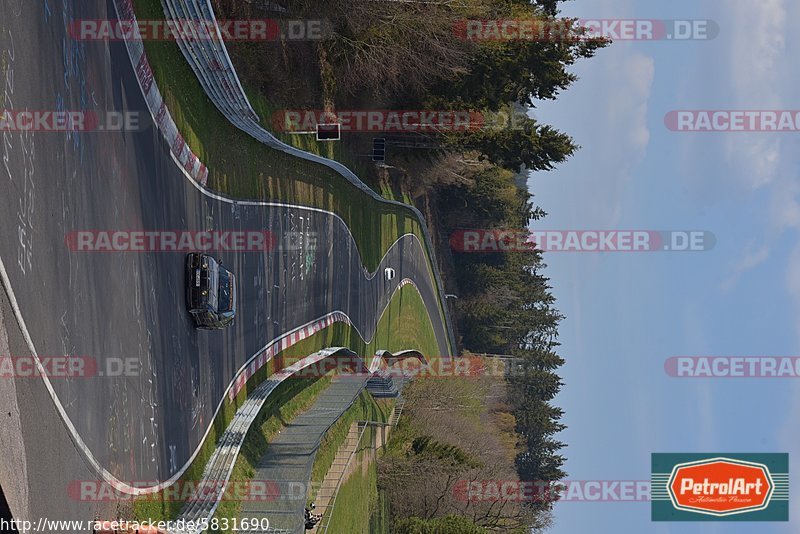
point(13, 465)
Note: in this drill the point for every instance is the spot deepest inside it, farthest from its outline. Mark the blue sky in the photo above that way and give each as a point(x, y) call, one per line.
point(627, 312)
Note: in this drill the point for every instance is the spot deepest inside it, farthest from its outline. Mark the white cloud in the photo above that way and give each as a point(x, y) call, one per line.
point(759, 42)
point(638, 71)
point(758, 154)
point(785, 208)
point(762, 76)
point(622, 140)
point(607, 115)
point(751, 259)
point(757, 33)
point(789, 434)
point(793, 276)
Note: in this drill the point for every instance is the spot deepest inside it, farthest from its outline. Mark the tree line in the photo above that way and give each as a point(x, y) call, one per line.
point(410, 55)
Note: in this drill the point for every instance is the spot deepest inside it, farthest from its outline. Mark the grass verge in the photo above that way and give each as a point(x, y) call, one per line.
point(302, 394)
point(364, 409)
point(357, 505)
point(289, 399)
point(242, 167)
point(403, 325)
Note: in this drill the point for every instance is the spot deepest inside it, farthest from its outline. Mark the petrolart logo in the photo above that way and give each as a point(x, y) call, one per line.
point(720, 487)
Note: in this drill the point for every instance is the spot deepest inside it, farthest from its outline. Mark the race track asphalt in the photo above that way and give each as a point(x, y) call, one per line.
point(113, 306)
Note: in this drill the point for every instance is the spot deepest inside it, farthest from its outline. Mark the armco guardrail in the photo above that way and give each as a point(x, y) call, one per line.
point(214, 69)
point(220, 465)
point(217, 472)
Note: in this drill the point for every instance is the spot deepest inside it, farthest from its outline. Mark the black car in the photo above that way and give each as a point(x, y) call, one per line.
point(210, 292)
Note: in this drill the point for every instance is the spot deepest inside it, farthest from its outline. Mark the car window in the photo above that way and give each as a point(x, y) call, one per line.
point(225, 290)
point(213, 283)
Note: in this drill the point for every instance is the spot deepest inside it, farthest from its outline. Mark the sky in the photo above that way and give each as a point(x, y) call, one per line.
point(627, 312)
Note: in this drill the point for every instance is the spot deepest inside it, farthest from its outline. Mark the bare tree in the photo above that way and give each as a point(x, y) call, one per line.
point(389, 49)
point(472, 415)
